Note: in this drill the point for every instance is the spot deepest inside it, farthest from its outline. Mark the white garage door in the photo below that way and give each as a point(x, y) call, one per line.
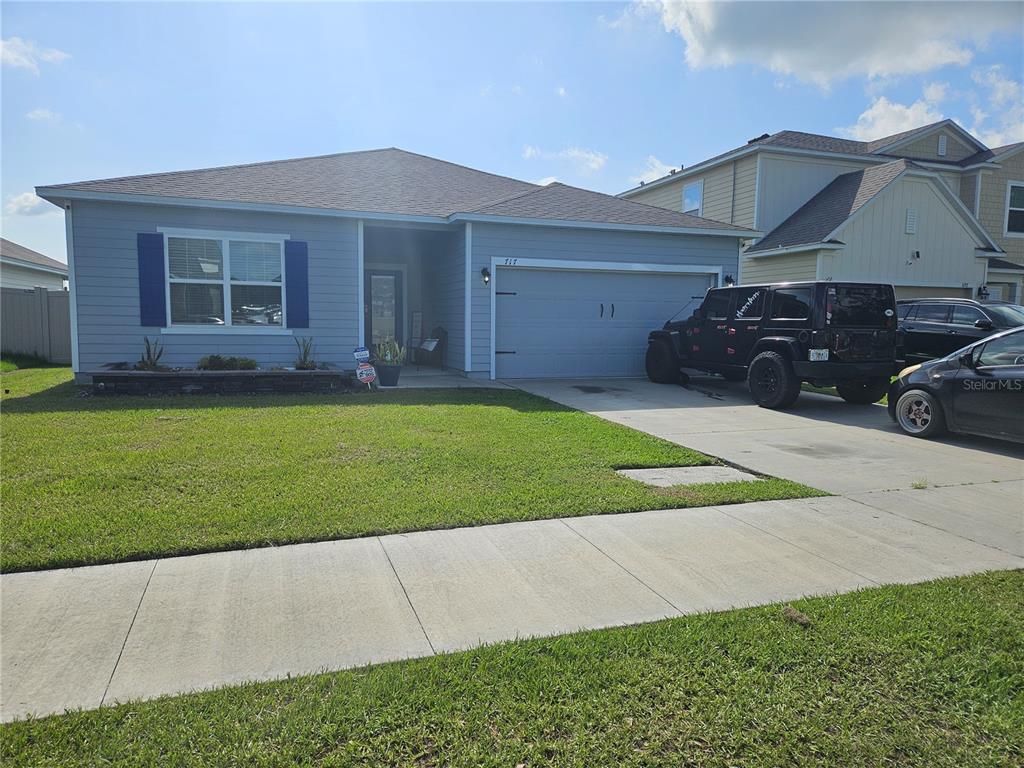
point(576, 323)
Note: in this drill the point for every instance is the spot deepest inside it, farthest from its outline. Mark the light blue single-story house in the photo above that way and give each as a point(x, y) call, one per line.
point(527, 281)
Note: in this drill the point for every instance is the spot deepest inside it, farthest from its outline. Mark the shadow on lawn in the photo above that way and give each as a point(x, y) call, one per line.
point(69, 398)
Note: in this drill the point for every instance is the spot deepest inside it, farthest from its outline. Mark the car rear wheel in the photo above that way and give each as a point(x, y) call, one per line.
point(919, 414)
point(661, 364)
point(863, 391)
point(772, 381)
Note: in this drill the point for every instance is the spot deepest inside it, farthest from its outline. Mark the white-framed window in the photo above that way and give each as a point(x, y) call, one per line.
point(1015, 209)
point(224, 279)
point(693, 198)
point(942, 145)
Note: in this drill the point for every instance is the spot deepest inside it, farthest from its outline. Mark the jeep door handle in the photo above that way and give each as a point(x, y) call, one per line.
point(721, 327)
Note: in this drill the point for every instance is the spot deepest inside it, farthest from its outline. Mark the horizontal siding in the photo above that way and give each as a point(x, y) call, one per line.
point(787, 268)
point(993, 205)
point(879, 249)
point(968, 189)
point(745, 196)
point(107, 290)
point(789, 182)
point(718, 197)
point(12, 276)
point(668, 195)
point(927, 148)
point(500, 241)
point(451, 307)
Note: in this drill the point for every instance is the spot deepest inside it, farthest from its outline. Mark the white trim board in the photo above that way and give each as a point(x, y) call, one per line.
point(360, 284)
point(69, 235)
point(34, 267)
point(468, 299)
point(584, 266)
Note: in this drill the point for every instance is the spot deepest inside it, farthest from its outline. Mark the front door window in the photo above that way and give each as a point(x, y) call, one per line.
point(384, 310)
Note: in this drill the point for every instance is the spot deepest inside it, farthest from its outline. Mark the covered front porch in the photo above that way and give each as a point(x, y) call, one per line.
point(414, 289)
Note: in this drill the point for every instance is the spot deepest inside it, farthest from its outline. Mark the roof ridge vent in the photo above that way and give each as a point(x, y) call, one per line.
point(762, 137)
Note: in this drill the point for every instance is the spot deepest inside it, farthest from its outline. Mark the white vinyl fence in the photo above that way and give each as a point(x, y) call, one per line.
point(36, 322)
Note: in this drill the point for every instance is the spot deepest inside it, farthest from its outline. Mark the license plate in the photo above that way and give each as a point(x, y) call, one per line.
point(817, 355)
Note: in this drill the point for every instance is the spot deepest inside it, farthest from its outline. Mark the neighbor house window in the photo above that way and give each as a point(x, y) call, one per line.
point(225, 281)
point(693, 198)
point(1015, 208)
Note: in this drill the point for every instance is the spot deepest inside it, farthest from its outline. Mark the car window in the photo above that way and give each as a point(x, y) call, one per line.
point(716, 305)
point(860, 305)
point(965, 315)
point(791, 304)
point(1006, 350)
point(932, 313)
point(906, 311)
point(1007, 315)
point(749, 303)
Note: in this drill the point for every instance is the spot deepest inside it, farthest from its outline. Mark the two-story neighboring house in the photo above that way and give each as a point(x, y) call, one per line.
point(932, 211)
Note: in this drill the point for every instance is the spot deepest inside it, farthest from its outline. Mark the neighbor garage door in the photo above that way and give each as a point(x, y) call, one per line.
point(576, 323)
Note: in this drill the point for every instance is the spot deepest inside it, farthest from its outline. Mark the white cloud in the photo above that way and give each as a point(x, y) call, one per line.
point(820, 42)
point(585, 161)
point(28, 204)
point(546, 180)
point(27, 54)
point(43, 114)
point(561, 92)
point(1004, 103)
point(653, 169)
point(486, 90)
point(885, 117)
point(935, 93)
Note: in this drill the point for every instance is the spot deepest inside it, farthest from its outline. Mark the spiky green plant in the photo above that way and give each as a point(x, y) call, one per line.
point(389, 352)
point(150, 360)
point(305, 361)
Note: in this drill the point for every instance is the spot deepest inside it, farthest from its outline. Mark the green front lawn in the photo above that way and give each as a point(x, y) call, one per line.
point(929, 675)
point(91, 480)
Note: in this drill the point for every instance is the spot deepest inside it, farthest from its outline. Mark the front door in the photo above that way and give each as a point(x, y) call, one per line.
point(382, 306)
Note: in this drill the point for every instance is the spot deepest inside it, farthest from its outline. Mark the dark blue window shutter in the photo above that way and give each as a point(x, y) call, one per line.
point(296, 283)
point(152, 289)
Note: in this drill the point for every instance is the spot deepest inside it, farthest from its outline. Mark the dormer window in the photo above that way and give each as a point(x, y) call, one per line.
point(942, 145)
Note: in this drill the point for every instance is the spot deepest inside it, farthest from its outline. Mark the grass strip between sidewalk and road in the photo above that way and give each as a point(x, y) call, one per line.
point(929, 675)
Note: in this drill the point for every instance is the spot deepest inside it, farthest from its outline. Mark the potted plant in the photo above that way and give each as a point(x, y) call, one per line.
point(388, 358)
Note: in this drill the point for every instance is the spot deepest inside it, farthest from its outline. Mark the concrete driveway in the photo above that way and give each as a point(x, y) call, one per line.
point(974, 487)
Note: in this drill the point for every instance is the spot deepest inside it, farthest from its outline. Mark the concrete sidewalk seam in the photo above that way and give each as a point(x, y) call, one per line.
point(946, 531)
point(127, 634)
point(643, 583)
point(408, 599)
point(802, 549)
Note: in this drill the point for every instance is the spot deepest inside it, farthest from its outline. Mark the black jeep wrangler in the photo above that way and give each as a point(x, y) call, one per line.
point(776, 336)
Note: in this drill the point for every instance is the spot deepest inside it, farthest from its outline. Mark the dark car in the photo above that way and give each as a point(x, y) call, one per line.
point(776, 336)
point(977, 390)
point(934, 328)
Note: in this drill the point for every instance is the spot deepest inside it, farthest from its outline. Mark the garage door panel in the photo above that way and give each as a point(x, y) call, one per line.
point(569, 323)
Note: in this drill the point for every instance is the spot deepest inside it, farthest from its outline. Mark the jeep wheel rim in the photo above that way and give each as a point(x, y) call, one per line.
point(768, 381)
point(915, 414)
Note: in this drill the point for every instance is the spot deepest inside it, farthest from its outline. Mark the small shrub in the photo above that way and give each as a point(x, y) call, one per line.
point(221, 363)
point(305, 361)
point(150, 360)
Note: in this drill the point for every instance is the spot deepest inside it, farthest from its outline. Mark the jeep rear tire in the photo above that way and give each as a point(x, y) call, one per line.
point(661, 364)
point(863, 391)
point(772, 381)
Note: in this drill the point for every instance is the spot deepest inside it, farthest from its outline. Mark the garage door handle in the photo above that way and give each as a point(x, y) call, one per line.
point(602, 309)
point(613, 310)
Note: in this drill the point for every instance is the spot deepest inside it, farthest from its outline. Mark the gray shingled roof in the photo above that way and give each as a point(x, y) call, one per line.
point(988, 154)
point(560, 201)
point(994, 263)
point(377, 180)
point(390, 181)
point(17, 252)
point(820, 143)
point(813, 222)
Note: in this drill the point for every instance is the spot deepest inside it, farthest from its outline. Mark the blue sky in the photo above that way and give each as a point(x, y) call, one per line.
point(596, 95)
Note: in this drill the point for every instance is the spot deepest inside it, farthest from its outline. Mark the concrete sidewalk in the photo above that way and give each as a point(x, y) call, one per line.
point(85, 637)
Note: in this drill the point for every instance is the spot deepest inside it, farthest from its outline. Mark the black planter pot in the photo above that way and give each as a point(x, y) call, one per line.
point(387, 375)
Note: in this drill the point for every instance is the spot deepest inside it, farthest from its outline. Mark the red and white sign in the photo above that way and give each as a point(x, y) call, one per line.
point(366, 373)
